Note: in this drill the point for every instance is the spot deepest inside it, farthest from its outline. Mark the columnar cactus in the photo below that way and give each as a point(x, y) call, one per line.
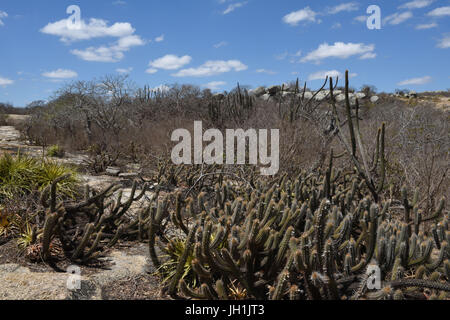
point(311, 238)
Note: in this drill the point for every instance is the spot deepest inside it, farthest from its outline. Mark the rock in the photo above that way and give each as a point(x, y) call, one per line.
point(374, 99)
point(340, 97)
point(320, 96)
point(273, 90)
point(412, 94)
point(219, 96)
point(20, 284)
point(360, 95)
point(258, 92)
point(124, 266)
point(128, 176)
point(286, 94)
point(337, 92)
point(265, 97)
point(289, 87)
point(308, 94)
point(113, 171)
point(12, 267)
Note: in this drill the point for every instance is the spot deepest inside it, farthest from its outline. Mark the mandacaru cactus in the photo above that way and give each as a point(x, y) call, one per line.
point(314, 237)
point(84, 229)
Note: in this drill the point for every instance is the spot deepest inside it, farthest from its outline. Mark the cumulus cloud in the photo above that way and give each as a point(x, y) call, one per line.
point(294, 18)
point(220, 44)
point(214, 85)
point(368, 55)
point(440, 12)
point(340, 50)
point(321, 75)
point(266, 71)
point(415, 81)
point(233, 7)
point(123, 70)
point(5, 82)
point(426, 26)
point(349, 6)
point(416, 4)
point(170, 62)
point(160, 38)
point(95, 28)
point(444, 43)
point(113, 53)
point(3, 15)
point(151, 70)
point(161, 88)
point(60, 74)
point(211, 68)
point(360, 18)
point(398, 18)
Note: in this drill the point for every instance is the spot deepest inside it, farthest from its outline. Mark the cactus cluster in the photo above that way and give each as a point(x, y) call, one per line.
point(236, 106)
point(84, 229)
point(309, 238)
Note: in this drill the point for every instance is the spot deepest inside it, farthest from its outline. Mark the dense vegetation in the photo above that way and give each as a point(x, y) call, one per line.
point(360, 184)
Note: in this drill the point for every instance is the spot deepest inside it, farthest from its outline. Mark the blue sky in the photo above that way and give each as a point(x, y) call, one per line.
point(217, 43)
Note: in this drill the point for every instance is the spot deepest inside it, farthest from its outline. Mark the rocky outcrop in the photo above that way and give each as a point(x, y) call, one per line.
point(288, 90)
point(19, 283)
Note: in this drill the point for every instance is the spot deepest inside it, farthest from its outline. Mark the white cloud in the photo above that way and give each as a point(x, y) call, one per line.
point(119, 3)
point(266, 71)
point(3, 15)
point(444, 42)
point(321, 75)
point(416, 4)
point(339, 50)
point(233, 7)
point(5, 82)
point(214, 85)
point(100, 54)
point(123, 70)
point(60, 74)
point(95, 28)
point(361, 18)
point(170, 62)
point(161, 88)
point(160, 38)
point(295, 17)
point(281, 56)
point(349, 6)
point(337, 25)
point(398, 18)
point(220, 44)
point(151, 70)
point(440, 12)
point(113, 53)
point(426, 26)
point(211, 68)
point(368, 55)
point(415, 81)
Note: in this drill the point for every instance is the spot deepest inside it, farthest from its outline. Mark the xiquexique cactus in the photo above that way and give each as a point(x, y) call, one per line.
point(309, 238)
point(84, 229)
